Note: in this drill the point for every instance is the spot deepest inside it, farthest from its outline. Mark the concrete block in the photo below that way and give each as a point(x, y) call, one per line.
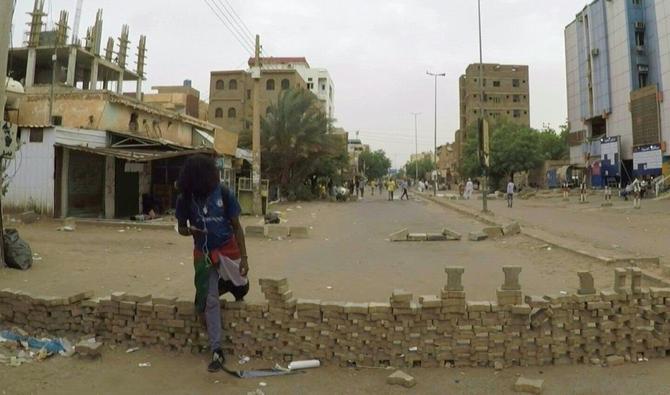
point(416, 237)
point(493, 232)
point(614, 360)
point(511, 278)
point(530, 386)
point(586, 285)
point(512, 229)
point(299, 232)
point(401, 378)
point(254, 231)
point(436, 237)
point(277, 231)
point(88, 348)
point(400, 235)
point(620, 275)
point(451, 234)
point(477, 236)
point(454, 278)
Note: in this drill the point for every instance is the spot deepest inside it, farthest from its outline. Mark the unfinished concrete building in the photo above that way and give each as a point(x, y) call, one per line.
point(86, 148)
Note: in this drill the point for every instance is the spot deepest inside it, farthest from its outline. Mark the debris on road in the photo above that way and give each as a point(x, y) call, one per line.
point(144, 364)
point(132, 349)
point(401, 378)
point(88, 348)
point(531, 386)
point(614, 360)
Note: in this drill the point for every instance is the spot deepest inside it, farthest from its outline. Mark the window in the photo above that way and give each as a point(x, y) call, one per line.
point(483, 82)
point(220, 84)
point(637, 2)
point(516, 99)
point(517, 114)
point(232, 113)
point(639, 38)
point(515, 83)
point(310, 85)
point(132, 125)
point(36, 135)
point(218, 113)
point(496, 84)
point(285, 84)
point(232, 84)
point(270, 85)
point(642, 80)
point(249, 94)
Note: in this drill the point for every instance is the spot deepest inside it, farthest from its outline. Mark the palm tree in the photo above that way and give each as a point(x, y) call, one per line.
point(295, 144)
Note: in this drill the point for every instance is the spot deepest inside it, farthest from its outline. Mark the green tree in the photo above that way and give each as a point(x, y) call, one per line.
point(376, 164)
point(554, 146)
point(514, 148)
point(425, 165)
point(296, 148)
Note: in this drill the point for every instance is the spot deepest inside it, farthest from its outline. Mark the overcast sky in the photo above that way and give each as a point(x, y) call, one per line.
point(377, 52)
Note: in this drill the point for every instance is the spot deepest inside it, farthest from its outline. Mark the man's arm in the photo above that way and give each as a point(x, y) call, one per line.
point(241, 244)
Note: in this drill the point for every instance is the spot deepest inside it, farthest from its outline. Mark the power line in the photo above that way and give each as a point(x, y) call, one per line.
point(241, 42)
point(244, 25)
point(232, 22)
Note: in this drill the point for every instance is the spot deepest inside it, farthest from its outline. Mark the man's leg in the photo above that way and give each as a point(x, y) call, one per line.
point(213, 320)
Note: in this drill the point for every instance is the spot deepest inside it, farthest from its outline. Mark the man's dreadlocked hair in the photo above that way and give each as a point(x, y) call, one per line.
point(199, 177)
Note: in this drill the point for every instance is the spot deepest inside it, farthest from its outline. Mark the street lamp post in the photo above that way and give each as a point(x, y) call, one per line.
point(481, 106)
point(416, 149)
point(435, 75)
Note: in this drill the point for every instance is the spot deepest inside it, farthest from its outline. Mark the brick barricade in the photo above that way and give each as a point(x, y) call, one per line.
point(432, 331)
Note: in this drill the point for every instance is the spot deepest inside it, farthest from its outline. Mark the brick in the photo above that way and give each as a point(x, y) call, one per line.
point(479, 306)
point(530, 386)
point(401, 378)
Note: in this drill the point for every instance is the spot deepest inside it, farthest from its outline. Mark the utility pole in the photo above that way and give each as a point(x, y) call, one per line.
point(416, 148)
point(256, 133)
point(435, 75)
point(6, 13)
point(481, 108)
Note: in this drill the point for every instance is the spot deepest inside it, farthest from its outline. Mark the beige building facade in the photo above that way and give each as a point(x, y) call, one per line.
point(506, 97)
point(230, 97)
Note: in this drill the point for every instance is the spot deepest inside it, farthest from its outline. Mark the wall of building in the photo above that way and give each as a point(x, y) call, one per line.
point(240, 99)
point(499, 100)
point(434, 331)
point(31, 172)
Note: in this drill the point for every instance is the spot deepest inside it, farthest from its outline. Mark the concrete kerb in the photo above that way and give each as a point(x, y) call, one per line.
point(554, 242)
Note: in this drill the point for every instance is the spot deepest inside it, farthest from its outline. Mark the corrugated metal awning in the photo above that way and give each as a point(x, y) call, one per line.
point(137, 155)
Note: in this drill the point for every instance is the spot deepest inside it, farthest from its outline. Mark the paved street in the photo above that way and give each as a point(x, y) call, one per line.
point(348, 251)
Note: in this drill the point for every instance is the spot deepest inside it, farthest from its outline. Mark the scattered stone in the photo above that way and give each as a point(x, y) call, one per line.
point(436, 237)
point(497, 365)
point(530, 386)
point(276, 231)
point(451, 234)
point(615, 360)
point(493, 232)
point(401, 378)
point(512, 229)
point(596, 361)
point(400, 235)
point(88, 348)
point(416, 237)
point(477, 236)
point(254, 231)
point(299, 232)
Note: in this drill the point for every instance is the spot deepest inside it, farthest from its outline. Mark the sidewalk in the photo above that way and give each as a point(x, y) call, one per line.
point(617, 235)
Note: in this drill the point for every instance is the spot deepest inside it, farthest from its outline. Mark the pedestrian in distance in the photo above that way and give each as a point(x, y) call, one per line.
point(209, 212)
point(390, 187)
point(403, 184)
point(582, 192)
point(361, 186)
point(469, 188)
point(637, 193)
point(566, 190)
point(510, 193)
point(373, 186)
point(380, 184)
